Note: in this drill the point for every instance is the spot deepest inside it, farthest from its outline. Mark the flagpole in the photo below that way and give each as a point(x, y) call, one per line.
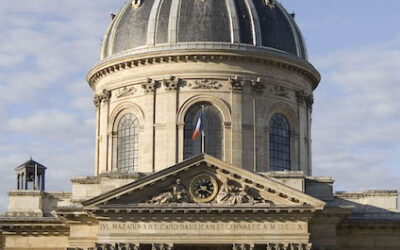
point(202, 133)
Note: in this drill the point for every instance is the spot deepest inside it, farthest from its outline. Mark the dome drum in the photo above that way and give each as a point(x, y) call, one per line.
point(246, 95)
point(244, 61)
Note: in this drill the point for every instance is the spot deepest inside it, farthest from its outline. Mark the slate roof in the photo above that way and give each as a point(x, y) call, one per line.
point(30, 163)
point(157, 22)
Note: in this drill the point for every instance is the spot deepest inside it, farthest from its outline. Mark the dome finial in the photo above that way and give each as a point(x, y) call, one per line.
point(136, 3)
point(270, 3)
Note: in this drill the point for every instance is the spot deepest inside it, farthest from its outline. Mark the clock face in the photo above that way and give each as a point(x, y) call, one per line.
point(203, 188)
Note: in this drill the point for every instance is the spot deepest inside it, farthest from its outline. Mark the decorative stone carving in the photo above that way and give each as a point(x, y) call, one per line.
point(236, 194)
point(136, 3)
point(150, 86)
point(178, 194)
point(310, 100)
point(103, 246)
point(281, 91)
point(161, 247)
point(205, 84)
point(117, 246)
point(270, 3)
point(172, 83)
point(243, 247)
point(104, 96)
point(236, 83)
point(126, 91)
point(286, 246)
point(257, 85)
point(301, 96)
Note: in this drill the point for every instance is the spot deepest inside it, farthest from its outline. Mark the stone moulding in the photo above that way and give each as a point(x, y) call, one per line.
point(205, 208)
point(205, 84)
point(270, 189)
point(34, 226)
point(286, 62)
point(233, 83)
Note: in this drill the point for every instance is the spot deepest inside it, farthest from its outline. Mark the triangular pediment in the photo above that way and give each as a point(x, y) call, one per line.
point(204, 180)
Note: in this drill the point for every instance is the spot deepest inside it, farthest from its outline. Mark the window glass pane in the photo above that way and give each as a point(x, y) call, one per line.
point(213, 131)
point(127, 143)
point(279, 143)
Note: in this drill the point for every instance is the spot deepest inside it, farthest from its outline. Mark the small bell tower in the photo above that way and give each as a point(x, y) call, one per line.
point(31, 176)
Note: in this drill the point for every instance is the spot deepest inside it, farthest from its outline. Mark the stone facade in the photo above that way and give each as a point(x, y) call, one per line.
point(169, 202)
point(274, 210)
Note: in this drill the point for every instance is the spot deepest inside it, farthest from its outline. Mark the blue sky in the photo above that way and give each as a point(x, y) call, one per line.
point(46, 109)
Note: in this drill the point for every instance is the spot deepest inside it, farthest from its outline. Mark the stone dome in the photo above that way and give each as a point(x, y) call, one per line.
point(177, 24)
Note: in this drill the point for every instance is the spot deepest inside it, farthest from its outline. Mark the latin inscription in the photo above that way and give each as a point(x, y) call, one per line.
point(201, 227)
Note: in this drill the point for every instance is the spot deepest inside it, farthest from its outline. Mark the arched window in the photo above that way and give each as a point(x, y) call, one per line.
point(128, 143)
point(212, 125)
point(279, 143)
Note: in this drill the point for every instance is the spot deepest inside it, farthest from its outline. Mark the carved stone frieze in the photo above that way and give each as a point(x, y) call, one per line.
point(172, 83)
point(236, 83)
point(150, 85)
point(281, 91)
point(299, 246)
point(178, 194)
point(257, 85)
point(205, 84)
point(242, 246)
point(126, 91)
point(233, 193)
point(161, 247)
point(104, 96)
point(117, 246)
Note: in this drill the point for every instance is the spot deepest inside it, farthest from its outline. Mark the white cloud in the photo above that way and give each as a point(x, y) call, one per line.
point(48, 46)
point(52, 124)
point(357, 118)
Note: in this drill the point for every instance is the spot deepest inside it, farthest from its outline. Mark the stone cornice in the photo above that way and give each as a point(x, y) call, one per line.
point(277, 191)
point(252, 54)
point(33, 226)
point(203, 208)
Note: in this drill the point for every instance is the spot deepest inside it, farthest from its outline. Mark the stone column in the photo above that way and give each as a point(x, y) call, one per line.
point(168, 115)
point(236, 137)
point(18, 181)
point(101, 100)
point(24, 182)
point(43, 180)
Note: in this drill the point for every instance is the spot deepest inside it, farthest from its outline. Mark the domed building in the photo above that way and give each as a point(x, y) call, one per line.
point(203, 141)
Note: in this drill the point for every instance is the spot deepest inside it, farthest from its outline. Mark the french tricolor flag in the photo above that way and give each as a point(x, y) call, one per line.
point(199, 126)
